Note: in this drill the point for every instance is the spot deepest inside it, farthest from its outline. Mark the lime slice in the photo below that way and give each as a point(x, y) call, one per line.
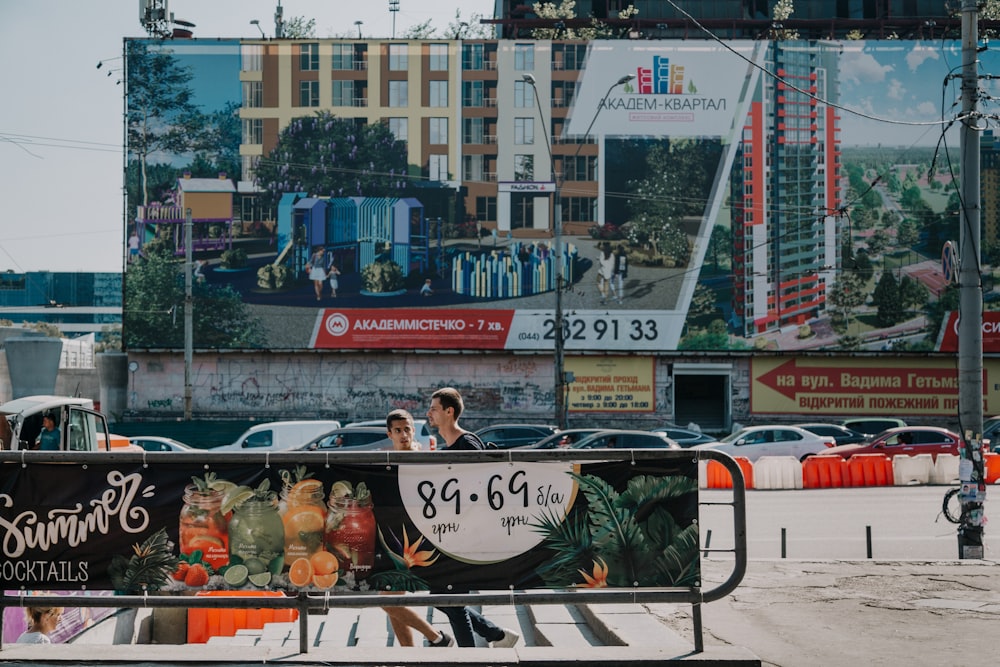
point(260, 579)
point(255, 565)
point(236, 575)
point(235, 498)
point(223, 485)
point(341, 489)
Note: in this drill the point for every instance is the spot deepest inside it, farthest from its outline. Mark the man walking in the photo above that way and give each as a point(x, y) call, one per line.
point(446, 408)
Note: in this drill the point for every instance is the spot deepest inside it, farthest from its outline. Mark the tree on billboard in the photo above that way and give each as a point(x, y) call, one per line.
point(154, 302)
point(161, 116)
point(327, 156)
point(887, 300)
point(846, 295)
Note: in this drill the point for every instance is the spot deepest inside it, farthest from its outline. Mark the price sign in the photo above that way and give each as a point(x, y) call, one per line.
point(483, 512)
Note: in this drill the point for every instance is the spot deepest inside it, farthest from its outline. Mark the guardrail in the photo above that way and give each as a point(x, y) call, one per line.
point(306, 601)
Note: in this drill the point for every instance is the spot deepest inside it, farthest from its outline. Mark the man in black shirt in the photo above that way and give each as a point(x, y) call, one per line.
point(446, 407)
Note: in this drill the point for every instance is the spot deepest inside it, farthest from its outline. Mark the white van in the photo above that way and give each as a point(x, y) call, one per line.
point(81, 428)
point(283, 435)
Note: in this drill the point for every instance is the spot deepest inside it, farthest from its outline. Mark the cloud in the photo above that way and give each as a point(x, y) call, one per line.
point(860, 68)
point(895, 90)
point(916, 57)
point(927, 110)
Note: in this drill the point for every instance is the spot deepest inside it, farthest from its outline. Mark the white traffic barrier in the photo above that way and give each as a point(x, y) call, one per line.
point(777, 472)
point(910, 470)
point(945, 469)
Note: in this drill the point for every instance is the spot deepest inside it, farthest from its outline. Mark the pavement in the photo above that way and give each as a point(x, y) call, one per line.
point(785, 613)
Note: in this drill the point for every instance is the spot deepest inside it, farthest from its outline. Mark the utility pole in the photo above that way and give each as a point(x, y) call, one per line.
point(188, 312)
point(970, 331)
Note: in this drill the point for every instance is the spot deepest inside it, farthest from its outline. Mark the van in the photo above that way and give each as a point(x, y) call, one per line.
point(81, 428)
point(281, 435)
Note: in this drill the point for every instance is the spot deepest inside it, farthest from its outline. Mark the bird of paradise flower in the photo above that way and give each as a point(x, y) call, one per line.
point(624, 539)
point(409, 557)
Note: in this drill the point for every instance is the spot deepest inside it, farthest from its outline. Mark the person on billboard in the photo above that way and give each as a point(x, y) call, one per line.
point(605, 272)
point(42, 621)
point(621, 272)
point(334, 283)
point(426, 290)
point(399, 426)
point(48, 438)
point(316, 268)
point(446, 407)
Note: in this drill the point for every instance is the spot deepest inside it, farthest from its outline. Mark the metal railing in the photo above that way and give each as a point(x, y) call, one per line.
point(304, 601)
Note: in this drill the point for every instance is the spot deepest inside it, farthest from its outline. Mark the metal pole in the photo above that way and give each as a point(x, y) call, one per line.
point(970, 332)
point(188, 313)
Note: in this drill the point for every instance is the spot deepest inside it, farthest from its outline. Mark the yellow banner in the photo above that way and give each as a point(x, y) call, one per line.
point(855, 386)
point(612, 384)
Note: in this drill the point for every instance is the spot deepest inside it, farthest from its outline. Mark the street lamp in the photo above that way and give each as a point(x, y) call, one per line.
point(359, 24)
point(257, 23)
point(557, 245)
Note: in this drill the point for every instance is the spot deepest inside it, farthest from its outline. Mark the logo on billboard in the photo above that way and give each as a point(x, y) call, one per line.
point(337, 324)
point(663, 78)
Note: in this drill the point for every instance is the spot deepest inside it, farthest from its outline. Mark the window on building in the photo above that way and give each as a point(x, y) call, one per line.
point(343, 57)
point(486, 209)
point(437, 167)
point(253, 94)
point(252, 57)
point(399, 59)
point(579, 168)
point(473, 57)
point(524, 131)
point(472, 167)
point(438, 131)
point(472, 93)
point(248, 167)
point(438, 61)
point(524, 167)
point(524, 57)
point(522, 211)
point(309, 57)
point(308, 93)
point(472, 130)
point(399, 93)
point(438, 94)
point(569, 56)
point(524, 95)
point(399, 128)
point(563, 93)
point(343, 93)
point(253, 131)
point(579, 209)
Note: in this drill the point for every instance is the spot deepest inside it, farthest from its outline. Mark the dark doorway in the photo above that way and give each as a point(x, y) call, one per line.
point(703, 400)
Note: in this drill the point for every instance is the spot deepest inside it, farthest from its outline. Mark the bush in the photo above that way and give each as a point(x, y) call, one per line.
point(381, 277)
point(235, 258)
point(607, 232)
point(274, 276)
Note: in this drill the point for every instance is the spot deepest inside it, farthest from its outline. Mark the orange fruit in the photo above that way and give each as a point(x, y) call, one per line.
point(324, 581)
point(300, 574)
point(306, 488)
point(303, 519)
point(324, 562)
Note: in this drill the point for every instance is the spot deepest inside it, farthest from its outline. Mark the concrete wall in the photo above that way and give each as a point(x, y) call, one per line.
point(357, 386)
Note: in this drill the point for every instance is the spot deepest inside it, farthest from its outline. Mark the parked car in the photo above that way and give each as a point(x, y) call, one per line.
point(872, 426)
point(155, 443)
point(354, 438)
point(509, 436)
point(622, 439)
point(279, 435)
point(684, 437)
point(909, 440)
point(841, 434)
point(425, 434)
point(991, 432)
point(564, 438)
point(754, 442)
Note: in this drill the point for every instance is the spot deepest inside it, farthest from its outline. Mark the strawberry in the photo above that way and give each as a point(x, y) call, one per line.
point(196, 576)
point(181, 572)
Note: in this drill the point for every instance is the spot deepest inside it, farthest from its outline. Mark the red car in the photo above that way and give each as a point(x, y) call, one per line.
point(909, 440)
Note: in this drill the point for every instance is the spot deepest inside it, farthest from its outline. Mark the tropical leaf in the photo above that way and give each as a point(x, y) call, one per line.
point(398, 580)
point(569, 539)
point(614, 531)
point(147, 569)
point(679, 562)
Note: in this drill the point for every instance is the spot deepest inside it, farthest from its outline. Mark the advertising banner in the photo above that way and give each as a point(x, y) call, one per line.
point(440, 527)
point(612, 384)
point(863, 387)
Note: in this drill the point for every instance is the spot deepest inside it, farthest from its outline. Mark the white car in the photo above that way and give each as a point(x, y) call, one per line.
point(155, 443)
point(425, 434)
point(754, 442)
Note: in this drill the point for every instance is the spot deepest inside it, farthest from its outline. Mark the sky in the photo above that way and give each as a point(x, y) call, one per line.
point(61, 156)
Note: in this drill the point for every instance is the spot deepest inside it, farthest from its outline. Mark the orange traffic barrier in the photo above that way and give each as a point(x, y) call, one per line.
point(823, 472)
point(718, 476)
point(991, 466)
point(205, 623)
point(869, 470)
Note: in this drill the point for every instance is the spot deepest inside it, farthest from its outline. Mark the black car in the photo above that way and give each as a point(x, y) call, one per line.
point(621, 439)
point(841, 434)
point(684, 437)
point(564, 438)
point(355, 438)
point(509, 436)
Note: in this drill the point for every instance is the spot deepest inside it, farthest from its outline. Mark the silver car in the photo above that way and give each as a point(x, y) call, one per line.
point(754, 442)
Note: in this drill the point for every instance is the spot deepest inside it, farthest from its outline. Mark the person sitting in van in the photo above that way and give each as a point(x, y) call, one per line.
point(48, 438)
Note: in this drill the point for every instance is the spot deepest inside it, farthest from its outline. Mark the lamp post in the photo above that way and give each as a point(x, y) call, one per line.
point(557, 245)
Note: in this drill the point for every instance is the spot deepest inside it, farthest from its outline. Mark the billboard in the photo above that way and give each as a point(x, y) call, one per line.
point(715, 196)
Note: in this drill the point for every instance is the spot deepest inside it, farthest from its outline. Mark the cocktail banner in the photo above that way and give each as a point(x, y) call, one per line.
point(447, 527)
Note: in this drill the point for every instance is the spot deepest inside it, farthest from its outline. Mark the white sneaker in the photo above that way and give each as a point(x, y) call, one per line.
point(509, 640)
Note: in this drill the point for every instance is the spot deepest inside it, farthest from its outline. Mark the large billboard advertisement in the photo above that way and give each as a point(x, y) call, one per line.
point(714, 196)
